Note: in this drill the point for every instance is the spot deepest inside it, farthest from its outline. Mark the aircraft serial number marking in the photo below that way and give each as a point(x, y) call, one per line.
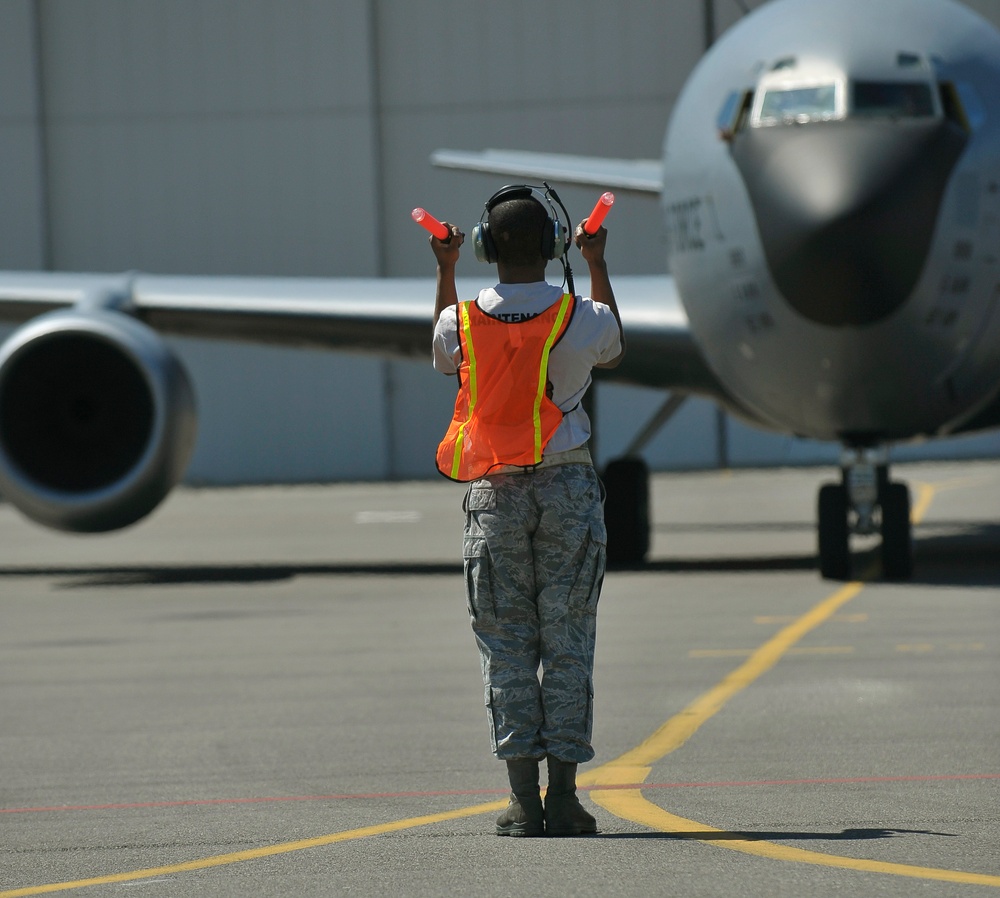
point(684, 226)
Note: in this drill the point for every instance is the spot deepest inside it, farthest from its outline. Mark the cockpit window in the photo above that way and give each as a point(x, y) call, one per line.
point(798, 105)
point(892, 99)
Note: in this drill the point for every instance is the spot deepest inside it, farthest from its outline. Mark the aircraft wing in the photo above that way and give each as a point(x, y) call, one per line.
point(388, 316)
point(107, 458)
point(635, 175)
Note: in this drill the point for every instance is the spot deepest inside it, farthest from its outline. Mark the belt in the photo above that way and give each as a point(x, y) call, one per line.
point(579, 456)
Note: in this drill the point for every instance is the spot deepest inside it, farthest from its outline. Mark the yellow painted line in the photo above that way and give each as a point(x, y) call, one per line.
point(859, 618)
point(252, 854)
point(639, 810)
point(631, 768)
point(925, 495)
point(719, 653)
point(798, 650)
point(634, 766)
point(822, 650)
point(676, 731)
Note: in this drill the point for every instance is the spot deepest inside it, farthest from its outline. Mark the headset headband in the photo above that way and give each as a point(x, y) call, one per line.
point(514, 192)
point(555, 239)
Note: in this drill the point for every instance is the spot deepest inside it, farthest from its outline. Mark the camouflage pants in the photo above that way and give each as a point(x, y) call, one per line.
point(535, 547)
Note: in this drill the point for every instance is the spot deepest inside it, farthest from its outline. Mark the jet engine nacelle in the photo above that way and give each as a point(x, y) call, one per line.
point(97, 420)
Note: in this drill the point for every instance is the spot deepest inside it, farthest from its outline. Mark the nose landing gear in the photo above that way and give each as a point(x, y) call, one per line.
point(863, 503)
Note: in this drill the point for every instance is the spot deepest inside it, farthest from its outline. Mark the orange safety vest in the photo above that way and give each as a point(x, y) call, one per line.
point(502, 413)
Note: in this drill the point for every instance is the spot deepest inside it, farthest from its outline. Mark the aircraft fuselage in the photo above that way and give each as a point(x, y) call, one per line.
point(833, 216)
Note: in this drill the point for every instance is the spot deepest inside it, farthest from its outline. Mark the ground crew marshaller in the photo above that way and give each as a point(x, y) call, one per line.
point(534, 540)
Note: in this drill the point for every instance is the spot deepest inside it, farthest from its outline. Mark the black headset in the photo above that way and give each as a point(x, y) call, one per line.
point(555, 235)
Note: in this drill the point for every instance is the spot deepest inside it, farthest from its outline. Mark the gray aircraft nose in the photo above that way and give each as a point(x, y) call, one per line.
point(846, 210)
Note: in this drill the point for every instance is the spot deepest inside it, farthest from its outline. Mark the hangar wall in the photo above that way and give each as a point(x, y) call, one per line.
point(257, 137)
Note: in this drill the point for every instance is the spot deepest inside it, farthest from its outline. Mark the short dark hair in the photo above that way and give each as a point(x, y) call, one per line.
point(516, 227)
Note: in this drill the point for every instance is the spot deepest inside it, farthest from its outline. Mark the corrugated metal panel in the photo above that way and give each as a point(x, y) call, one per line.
point(257, 137)
point(212, 137)
point(22, 192)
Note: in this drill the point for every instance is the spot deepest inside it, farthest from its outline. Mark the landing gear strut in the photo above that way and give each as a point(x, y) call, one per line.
point(863, 503)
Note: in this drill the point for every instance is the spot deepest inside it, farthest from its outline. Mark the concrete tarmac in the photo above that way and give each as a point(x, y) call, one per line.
point(275, 692)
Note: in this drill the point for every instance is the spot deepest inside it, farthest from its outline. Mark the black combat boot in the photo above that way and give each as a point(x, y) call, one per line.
point(524, 815)
point(564, 815)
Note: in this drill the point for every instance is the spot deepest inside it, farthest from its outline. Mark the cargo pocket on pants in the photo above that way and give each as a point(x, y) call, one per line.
point(478, 582)
point(590, 577)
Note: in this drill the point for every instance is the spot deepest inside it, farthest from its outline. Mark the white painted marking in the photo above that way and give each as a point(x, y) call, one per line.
point(388, 517)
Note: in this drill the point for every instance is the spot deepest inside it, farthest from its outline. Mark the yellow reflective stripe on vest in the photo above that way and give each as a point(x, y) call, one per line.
point(543, 372)
point(456, 463)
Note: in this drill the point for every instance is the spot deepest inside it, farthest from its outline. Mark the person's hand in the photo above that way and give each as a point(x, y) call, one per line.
point(446, 251)
point(591, 246)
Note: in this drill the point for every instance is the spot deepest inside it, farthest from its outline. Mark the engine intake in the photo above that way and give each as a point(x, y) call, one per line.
point(97, 420)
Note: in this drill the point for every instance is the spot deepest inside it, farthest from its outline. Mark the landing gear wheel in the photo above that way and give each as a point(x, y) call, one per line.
point(897, 543)
point(834, 535)
point(626, 510)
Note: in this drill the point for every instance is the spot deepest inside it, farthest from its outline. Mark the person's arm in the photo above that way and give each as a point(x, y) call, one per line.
point(446, 253)
point(592, 250)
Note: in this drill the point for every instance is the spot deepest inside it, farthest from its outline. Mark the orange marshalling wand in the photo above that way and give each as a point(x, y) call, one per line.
point(601, 209)
point(423, 218)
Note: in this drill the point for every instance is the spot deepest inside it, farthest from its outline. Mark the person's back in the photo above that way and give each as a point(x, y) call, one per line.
point(534, 541)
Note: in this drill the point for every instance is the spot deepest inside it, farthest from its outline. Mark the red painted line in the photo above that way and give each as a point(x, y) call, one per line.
point(804, 782)
point(226, 801)
point(370, 796)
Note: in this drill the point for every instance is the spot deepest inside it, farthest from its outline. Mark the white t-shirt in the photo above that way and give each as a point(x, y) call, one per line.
point(591, 338)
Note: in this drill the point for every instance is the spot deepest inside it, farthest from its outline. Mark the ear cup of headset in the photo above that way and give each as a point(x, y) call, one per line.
point(560, 240)
point(482, 242)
